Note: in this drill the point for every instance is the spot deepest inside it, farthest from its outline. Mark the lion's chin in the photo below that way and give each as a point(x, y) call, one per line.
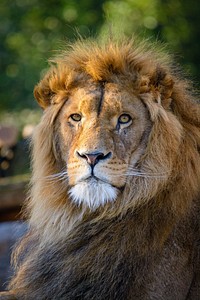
point(93, 193)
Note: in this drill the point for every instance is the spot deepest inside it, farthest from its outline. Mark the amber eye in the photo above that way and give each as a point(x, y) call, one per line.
point(75, 117)
point(124, 119)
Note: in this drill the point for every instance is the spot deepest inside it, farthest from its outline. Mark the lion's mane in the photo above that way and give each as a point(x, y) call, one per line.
point(73, 253)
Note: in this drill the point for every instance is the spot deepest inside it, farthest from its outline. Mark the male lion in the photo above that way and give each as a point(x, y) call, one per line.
point(115, 196)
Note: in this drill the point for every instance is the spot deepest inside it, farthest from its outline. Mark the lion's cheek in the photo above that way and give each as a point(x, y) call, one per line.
point(77, 172)
point(114, 173)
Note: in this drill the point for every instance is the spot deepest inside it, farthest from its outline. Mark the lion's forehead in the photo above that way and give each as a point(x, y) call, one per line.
point(109, 100)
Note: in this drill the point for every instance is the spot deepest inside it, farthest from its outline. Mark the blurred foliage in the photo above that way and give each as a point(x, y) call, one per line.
point(30, 31)
point(173, 22)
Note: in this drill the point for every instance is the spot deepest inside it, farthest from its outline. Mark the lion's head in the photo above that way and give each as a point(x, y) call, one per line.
point(117, 128)
point(103, 130)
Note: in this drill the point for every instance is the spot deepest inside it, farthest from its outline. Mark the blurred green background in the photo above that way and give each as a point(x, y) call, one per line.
point(32, 30)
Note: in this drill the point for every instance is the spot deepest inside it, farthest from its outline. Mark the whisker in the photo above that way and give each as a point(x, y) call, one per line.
point(133, 170)
point(138, 173)
point(147, 175)
point(57, 176)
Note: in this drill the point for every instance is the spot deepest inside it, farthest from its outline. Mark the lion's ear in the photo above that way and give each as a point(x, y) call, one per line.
point(43, 92)
point(160, 85)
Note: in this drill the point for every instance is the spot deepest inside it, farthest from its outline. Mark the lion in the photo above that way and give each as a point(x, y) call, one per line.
point(114, 202)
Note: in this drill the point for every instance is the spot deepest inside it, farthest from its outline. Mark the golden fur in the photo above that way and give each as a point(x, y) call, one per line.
point(153, 163)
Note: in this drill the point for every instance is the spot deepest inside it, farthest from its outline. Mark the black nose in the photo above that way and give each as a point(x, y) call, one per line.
point(93, 158)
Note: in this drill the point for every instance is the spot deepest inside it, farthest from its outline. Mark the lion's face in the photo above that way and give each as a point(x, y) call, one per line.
point(102, 137)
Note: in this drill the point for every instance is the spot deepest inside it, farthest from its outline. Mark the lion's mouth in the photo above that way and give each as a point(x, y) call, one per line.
point(95, 180)
point(92, 179)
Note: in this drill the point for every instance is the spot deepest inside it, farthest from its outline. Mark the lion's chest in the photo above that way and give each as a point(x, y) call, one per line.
point(106, 262)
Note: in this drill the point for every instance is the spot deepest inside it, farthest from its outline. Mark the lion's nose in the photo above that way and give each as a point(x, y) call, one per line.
point(93, 158)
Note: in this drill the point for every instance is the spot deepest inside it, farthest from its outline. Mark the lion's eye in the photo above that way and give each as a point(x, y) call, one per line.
point(124, 119)
point(75, 117)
